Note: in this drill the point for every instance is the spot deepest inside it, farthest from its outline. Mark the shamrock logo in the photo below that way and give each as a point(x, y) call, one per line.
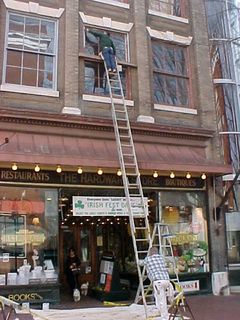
point(79, 204)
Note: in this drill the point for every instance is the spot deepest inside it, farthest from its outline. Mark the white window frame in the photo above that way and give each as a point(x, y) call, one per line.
point(39, 12)
point(115, 3)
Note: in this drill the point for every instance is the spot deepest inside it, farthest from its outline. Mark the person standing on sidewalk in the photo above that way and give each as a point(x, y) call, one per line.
point(158, 275)
point(107, 49)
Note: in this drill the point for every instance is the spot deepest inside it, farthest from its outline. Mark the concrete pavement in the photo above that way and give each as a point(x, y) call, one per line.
point(207, 307)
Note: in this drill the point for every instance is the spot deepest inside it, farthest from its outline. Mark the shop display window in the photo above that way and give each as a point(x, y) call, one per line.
point(28, 235)
point(185, 213)
point(233, 237)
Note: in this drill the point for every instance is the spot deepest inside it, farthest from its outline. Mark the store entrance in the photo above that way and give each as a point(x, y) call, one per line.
point(92, 238)
point(81, 238)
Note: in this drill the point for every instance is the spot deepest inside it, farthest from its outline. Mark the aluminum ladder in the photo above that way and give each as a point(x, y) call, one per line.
point(136, 203)
point(161, 238)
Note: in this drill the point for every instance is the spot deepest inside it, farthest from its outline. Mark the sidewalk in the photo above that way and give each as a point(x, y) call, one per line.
point(206, 307)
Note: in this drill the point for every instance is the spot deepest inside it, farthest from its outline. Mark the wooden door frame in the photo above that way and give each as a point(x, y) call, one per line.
point(92, 277)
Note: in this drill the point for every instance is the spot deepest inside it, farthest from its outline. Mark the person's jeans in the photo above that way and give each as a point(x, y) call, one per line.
point(160, 287)
point(109, 58)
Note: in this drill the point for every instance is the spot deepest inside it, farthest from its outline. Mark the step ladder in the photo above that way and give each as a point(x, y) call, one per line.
point(162, 239)
point(136, 203)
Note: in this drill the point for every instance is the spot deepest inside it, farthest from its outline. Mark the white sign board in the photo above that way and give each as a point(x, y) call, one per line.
point(189, 286)
point(105, 206)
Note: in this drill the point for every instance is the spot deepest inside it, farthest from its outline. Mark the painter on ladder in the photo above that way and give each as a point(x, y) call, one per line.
point(107, 48)
point(158, 275)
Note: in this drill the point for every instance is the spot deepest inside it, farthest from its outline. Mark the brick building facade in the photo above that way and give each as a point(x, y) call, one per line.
point(56, 111)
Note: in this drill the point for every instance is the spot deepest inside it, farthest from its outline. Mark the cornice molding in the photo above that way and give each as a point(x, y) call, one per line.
point(97, 124)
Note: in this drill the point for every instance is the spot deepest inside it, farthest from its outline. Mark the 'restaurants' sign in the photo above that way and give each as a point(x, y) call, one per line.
point(73, 178)
point(105, 206)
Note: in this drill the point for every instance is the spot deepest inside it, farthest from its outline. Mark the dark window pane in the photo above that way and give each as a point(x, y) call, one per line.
point(47, 36)
point(16, 31)
point(16, 23)
point(32, 26)
point(96, 80)
point(92, 44)
point(45, 79)
point(31, 39)
point(159, 88)
point(183, 91)
point(13, 75)
point(14, 58)
point(89, 79)
point(29, 77)
point(169, 90)
point(158, 56)
point(119, 40)
point(180, 61)
point(31, 42)
point(120, 45)
point(46, 63)
point(30, 60)
point(170, 61)
point(172, 7)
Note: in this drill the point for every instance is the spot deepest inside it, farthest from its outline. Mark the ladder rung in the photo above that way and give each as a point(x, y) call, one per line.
point(124, 137)
point(140, 228)
point(141, 240)
point(120, 111)
point(128, 154)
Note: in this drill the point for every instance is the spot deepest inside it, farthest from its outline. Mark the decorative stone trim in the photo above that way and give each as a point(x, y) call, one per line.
point(29, 90)
point(146, 119)
point(105, 22)
point(71, 110)
point(33, 7)
point(169, 36)
point(101, 99)
point(167, 16)
point(114, 3)
point(223, 81)
point(78, 122)
point(175, 109)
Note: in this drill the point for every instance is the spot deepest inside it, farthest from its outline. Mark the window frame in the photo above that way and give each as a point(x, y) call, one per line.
point(187, 77)
point(182, 6)
point(31, 89)
point(93, 58)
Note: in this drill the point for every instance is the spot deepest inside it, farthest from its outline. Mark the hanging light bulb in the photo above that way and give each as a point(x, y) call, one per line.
point(172, 175)
point(100, 171)
point(188, 175)
point(203, 176)
point(37, 168)
point(155, 174)
point(79, 170)
point(119, 172)
point(59, 169)
point(14, 167)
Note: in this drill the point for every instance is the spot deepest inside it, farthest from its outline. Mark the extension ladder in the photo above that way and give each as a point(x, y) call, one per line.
point(136, 203)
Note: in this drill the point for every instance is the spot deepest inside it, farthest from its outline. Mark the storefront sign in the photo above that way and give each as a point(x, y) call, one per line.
point(182, 238)
point(189, 286)
point(19, 297)
point(73, 178)
point(104, 206)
